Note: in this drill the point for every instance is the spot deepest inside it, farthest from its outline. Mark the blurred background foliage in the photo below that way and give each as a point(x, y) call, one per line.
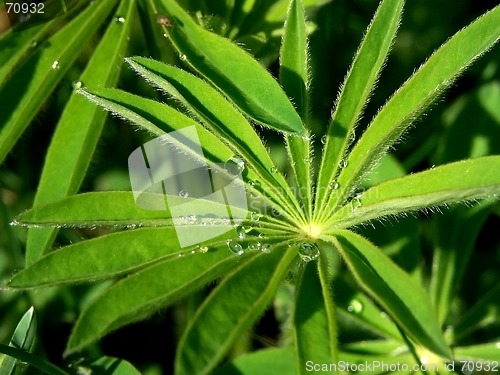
point(465, 123)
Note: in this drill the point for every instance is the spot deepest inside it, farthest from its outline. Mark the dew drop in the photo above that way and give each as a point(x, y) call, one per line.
point(165, 35)
point(55, 65)
point(234, 165)
point(183, 57)
point(77, 85)
point(384, 315)
point(183, 194)
point(343, 163)
point(323, 139)
point(356, 203)
point(255, 184)
point(352, 136)
point(308, 251)
point(202, 249)
point(13, 223)
point(33, 44)
point(261, 236)
point(192, 219)
point(255, 216)
point(235, 247)
point(306, 160)
point(254, 246)
point(266, 248)
point(355, 306)
point(120, 19)
point(275, 212)
point(334, 185)
point(498, 345)
point(241, 232)
point(274, 170)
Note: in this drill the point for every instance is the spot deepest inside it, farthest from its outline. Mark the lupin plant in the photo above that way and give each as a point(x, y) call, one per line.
point(299, 220)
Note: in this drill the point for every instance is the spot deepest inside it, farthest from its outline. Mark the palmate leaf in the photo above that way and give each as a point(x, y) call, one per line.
point(404, 300)
point(76, 136)
point(409, 101)
point(238, 75)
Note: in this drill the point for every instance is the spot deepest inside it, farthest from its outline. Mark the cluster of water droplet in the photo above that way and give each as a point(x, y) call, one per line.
point(207, 220)
point(253, 244)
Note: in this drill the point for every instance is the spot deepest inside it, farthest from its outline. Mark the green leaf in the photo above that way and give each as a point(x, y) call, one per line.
point(314, 318)
point(270, 361)
point(294, 79)
point(157, 118)
point(33, 360)
point(17, 46)
point(105, 257)
point(237, 74)
point(231, 309)
point(403, 299)
point(294, 71)
point(139, 295)
point(456, 235)
point(355, 92)
point(482, 352)
point(76, 136)
point(355, 306)
point(113, 208)
point(457, 182)
point(220, 116)
point(23, 339)
point(424, 87)
point(112, 366)
point(28, 88)
point(483, 313)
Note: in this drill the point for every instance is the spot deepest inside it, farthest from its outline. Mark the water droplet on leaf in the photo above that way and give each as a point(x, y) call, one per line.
point(308, 251)
point(323, 139)
point(266, 248)
point(355, 306)
point(274, 170)
point(120, 19)
point(183, 194)
point(202, 249)
point(77, 85)
point(343, 163)
point(334, 185)
point(235, 247)
point(255, 216)
point(183, 57)
point(234, 165)
point(241, 232)
point(254, 246)
point(55, 65)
